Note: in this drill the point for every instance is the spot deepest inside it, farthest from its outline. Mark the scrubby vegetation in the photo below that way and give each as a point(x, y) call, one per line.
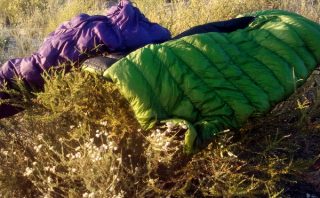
point(79, 138)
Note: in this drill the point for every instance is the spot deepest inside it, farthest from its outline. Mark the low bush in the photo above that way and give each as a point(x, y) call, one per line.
point(79, 138)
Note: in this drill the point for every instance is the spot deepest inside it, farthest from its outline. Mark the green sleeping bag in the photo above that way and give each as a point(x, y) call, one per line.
point(216, 81)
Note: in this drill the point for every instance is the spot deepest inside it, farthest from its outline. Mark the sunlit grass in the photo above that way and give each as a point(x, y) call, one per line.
point(79, 137)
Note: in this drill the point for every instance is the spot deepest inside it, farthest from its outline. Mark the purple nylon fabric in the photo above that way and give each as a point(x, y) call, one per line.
point(122, 30)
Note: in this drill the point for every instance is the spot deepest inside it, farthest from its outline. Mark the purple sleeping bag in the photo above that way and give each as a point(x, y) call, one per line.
point(122, 30)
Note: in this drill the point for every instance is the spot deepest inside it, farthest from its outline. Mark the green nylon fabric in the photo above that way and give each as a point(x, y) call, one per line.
point(216, 81)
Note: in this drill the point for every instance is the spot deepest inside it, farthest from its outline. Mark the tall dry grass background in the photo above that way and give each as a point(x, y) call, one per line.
point(79, 138)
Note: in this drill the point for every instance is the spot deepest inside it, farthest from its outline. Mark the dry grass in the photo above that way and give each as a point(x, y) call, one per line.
point(79, 138)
